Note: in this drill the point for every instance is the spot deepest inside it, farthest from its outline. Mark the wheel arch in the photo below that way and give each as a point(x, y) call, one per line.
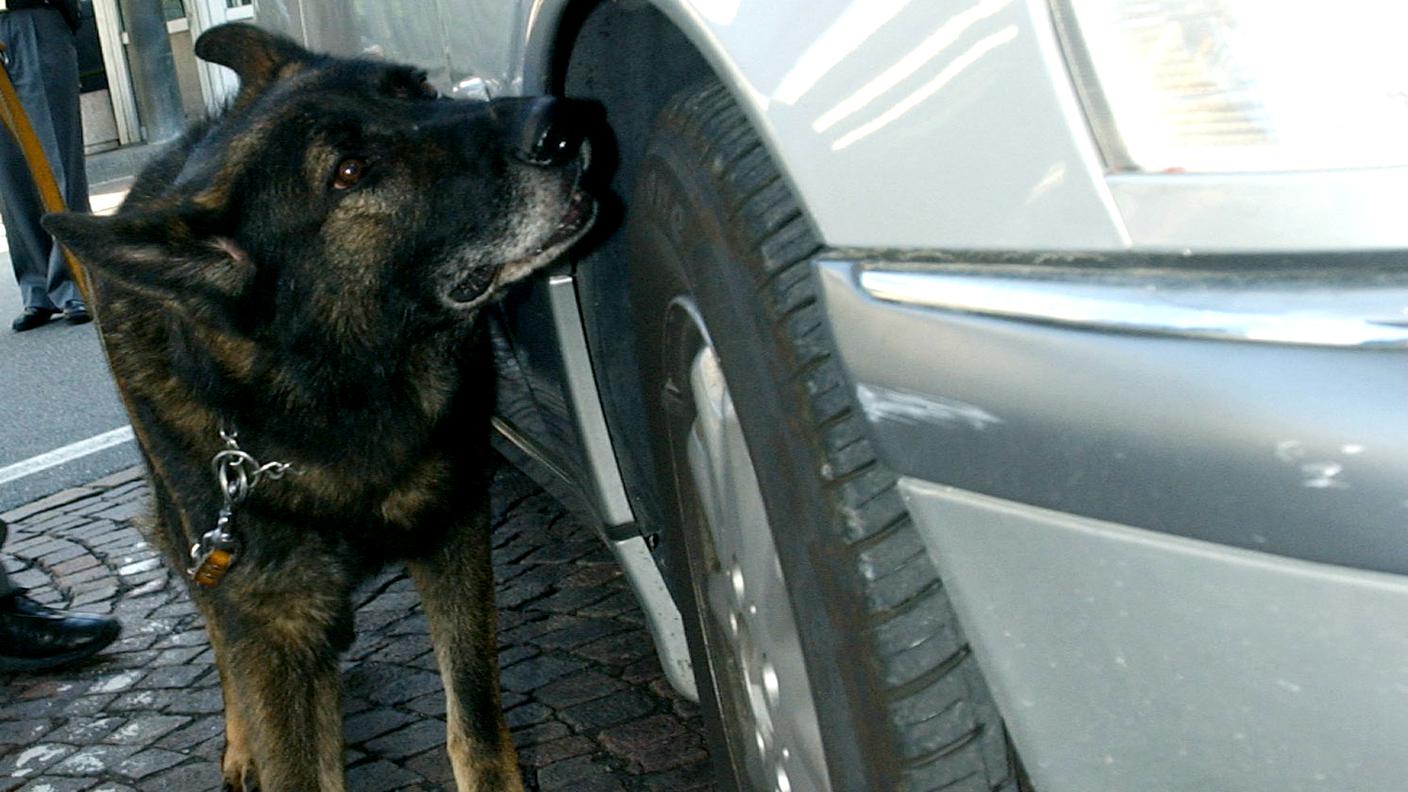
point(632, 57)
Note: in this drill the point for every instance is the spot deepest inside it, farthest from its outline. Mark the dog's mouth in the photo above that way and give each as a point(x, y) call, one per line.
point(479, 283)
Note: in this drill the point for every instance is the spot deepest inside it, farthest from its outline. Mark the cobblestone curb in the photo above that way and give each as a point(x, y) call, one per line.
point(588, 705)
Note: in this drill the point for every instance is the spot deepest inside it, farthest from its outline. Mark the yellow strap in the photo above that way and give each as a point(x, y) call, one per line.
point(15, 119)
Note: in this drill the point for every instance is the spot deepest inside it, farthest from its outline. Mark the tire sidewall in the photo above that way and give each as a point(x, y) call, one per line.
point(685, 242)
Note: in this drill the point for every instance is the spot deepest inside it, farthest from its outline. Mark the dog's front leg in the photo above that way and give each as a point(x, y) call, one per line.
point(277, 648)
point(457, 587)
point(237, 760)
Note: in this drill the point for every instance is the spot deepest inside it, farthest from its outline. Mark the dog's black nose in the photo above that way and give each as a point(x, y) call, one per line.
point(543, 131)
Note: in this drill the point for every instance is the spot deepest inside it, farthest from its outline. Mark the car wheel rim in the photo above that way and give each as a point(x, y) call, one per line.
point(748, 612)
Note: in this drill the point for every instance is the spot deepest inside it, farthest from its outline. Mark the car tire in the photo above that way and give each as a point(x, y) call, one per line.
point(726, 311)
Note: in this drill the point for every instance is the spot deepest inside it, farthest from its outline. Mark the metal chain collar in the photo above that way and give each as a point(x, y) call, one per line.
point(237, 473)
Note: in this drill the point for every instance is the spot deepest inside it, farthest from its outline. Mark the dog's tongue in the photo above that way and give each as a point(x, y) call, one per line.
point(473, 284)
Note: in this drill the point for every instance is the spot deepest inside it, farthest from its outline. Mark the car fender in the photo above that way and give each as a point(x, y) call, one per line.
point(900, 124)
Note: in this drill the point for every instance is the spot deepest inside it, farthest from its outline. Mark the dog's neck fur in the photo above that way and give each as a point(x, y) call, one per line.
point(364, 438)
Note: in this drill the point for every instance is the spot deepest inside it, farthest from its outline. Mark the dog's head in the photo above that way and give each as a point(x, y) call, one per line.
point(344, 189)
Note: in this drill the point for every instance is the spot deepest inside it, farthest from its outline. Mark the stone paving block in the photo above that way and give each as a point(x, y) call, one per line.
point(541, 733)
point(364, 726)
point(572, 773)
point(143, 701)
point(81, 508)
point(514, 654)
point(93, 595)
point(196, 702)
point(434, 767)
point(29, 762)
point(402, 651)
point(132, 474)
point(635, 738)
point(88, 705)
point(44, 504)
point(585, 631)
point(73, 565)
point(432, 704)
point(538, 671)
point(409, 741)
point(527, 714)
point(529, 629)
point(618, 649)
point(24, 732)
point(146, 729)
point(684, 779)
point(86, 730)
point(56, 785)
point(145, 763)
point(200, 730)
point(98, 575)
point(379, 776)
point(117, 683)
point(552, 751)
point(686, 751)
point(587, 685)
point(93, 760)
point(172, 676)
point(124, 511)
point(194, 777)
point(610, 710)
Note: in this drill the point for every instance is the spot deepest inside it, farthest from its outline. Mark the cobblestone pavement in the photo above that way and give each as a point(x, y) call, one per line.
point(585, 697)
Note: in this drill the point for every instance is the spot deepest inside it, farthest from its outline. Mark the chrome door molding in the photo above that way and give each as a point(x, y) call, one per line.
point(1263, 308)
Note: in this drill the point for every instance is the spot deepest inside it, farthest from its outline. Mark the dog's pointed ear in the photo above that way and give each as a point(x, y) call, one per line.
point(256, 55)
point(172, 254)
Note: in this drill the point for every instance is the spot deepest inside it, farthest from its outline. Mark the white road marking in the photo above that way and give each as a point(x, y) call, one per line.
point(68, 453)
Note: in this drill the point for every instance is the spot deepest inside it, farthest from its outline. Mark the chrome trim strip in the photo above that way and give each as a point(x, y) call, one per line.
point(614, 507)
point(662, 615)
point(1249, 307)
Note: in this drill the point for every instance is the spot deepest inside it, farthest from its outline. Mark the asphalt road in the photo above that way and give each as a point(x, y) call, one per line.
point(55, 391)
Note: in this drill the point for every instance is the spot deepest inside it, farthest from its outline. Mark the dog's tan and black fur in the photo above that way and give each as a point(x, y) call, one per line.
point(307, 269)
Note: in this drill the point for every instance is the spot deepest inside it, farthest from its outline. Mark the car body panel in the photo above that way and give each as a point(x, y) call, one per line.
point(973, 93)
point(1128, 660)
point(1273, 447)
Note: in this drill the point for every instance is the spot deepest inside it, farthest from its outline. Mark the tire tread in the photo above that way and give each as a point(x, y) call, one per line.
point(937, 706)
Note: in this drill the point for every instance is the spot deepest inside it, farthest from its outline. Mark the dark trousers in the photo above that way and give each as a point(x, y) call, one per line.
point(44, 68)
point(6, 587)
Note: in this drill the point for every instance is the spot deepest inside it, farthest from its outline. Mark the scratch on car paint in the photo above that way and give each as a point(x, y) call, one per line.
point(885, 404)
point(1323, 475)
point(1317, 475)
point(1290, 450)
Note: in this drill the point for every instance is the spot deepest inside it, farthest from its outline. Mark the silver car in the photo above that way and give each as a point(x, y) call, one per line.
point(980, 394)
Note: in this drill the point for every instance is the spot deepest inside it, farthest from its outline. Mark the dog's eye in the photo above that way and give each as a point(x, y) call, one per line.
point(349, 172)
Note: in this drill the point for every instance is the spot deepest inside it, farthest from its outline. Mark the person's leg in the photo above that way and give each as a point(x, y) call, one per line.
point(43, 67)
point(58, 121)
point(29, 245)
point(6, 587)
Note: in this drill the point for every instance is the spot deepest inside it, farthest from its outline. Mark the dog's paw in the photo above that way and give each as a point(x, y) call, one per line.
point(239, 774)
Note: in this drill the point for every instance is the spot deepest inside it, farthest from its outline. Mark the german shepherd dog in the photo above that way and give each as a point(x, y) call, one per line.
point(289, 300)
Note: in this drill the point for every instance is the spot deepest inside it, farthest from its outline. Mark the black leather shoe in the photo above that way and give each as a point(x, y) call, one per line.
point(34, 637)
point(32, 318)
point(77, 313)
